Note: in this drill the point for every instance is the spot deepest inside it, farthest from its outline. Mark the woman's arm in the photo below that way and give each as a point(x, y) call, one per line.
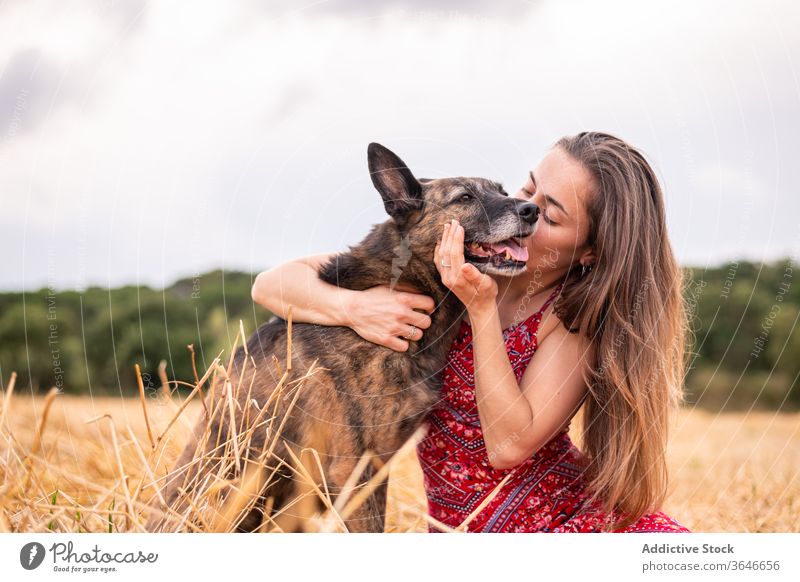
point(296, 283)
point(517, 419)
point(379, 314)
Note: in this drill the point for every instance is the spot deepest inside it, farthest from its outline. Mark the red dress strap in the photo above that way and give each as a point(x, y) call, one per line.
point(549, 300)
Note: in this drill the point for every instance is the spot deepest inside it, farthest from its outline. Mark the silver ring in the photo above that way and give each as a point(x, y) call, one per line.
point(445, 266)
point(412, 332)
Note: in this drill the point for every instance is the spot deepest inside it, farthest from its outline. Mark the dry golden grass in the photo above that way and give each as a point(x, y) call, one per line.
point(736, 472)
point(83, 464)
point(74, 483)
point(88, 464)
point(729, 472)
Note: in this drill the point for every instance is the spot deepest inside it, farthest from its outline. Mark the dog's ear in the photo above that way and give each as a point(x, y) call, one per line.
point(400, 190)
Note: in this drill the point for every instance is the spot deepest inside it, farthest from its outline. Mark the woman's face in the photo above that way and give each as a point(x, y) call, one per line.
point(560, 186)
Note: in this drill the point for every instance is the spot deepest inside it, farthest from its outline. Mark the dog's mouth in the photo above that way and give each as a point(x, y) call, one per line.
point(509, 254)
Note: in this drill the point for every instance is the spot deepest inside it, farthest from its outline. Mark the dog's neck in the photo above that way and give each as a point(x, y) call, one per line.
point(385, 257)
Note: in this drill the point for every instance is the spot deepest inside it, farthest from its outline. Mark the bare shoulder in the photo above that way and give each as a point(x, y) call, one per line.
point(550, 323)
point(552, 331)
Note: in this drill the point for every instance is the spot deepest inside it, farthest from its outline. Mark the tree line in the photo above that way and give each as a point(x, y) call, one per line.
point(745, 349)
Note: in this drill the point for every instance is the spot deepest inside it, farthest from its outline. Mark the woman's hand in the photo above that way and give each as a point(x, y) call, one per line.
point(476, 290)
point(388, 317)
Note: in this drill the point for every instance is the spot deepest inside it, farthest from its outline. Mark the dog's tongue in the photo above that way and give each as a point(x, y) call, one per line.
point(518, 253)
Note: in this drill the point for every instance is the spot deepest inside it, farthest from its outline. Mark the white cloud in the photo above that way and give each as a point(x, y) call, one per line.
point(250, 126)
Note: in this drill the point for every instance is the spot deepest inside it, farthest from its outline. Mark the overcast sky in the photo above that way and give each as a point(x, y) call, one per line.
point(145, 141)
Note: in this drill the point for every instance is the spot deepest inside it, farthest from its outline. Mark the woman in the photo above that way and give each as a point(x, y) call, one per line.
point(600, 304)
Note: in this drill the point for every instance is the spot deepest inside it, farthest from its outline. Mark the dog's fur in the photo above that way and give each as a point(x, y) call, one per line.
point(368, 397)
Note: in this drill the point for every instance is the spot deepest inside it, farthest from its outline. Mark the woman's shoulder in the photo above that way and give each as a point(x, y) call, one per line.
point(549, 323)
point(552, 328)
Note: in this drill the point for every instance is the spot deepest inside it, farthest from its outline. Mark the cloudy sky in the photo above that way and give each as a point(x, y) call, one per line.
point(145, 141)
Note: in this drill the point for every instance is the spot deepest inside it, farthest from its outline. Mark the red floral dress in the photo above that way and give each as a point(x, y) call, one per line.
point(546, 493)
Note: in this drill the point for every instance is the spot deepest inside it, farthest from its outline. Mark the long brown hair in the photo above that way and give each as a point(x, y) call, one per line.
point(630, 304)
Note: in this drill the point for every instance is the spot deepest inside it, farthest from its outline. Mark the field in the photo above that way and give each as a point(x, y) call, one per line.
point(729, 472)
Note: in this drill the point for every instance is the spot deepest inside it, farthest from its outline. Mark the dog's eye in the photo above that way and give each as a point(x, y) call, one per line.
point(466, 197)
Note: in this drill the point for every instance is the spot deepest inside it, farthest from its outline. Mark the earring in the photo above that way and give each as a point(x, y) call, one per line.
point(585, 269)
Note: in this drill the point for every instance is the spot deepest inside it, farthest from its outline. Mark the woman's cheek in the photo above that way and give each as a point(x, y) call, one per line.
point(550, 246)
point(532, 243)
point(542, 235)
point(539, 244)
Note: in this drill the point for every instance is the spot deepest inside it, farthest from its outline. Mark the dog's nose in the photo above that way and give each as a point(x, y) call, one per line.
point(529, 212)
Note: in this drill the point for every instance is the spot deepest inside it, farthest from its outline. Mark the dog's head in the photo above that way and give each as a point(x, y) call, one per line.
point(493, 222)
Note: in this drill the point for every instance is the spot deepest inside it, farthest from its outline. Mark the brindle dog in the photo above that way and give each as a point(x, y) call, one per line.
point(369, 397)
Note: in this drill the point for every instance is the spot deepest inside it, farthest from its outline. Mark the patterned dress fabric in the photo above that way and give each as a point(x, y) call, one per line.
point(545, 493)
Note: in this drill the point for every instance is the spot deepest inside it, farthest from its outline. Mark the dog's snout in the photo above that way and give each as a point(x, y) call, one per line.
point(529, 212)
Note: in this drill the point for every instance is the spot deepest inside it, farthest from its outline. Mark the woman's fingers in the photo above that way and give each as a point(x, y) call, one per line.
point(457, 248)
point(444, 249)
point(419, 301)
point(396, 344)
point(392, 318)
point(454, 253)
point(450, 251)
point(417, 319)
point(440, 256)
point(437, 260)
point(410, 325)
point(384, 337)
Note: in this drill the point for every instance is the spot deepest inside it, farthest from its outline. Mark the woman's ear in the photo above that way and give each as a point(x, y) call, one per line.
point(588, 258)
